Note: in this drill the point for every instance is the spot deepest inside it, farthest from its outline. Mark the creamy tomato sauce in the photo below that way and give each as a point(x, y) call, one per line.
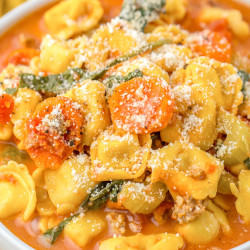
point(33, 26)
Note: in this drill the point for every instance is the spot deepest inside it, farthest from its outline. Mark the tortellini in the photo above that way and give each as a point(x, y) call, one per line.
point(91, 95)
point(26, 101)
point(236, 147)
point(243, 195)
point(202, 230)
point(217, 80)
point(85, 227)
point(47, 222)
point(175, 10)
point(236, 23)
point(171, 57)
point(9, 75)
point(18, 193)
point(56, 56)
point(186, 169)
point(6, 131)
point(172, 31)
point(148, 242)
point(200, 90)
point(142, 198)
point(146, 66)
point(69, 185)
point(220, 216)
point(119, 156)
point(194, 120)
point(244, 108)
point(224, 182)
point(118, 36)
point(72, 17)
point(110, 41)
point(44, 206)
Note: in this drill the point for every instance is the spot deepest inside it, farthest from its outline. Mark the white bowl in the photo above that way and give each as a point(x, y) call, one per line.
point(8, 241)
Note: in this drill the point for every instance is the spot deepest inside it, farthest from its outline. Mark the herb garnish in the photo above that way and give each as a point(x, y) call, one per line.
point(247, 162)
point(112, 80)
point(99, 195)
point(59, 83)
point(140, 12)
point(244, 77)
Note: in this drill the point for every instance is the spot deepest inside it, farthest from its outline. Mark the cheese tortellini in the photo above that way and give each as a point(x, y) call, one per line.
point(142, 198)
point(203, 88)
point(220, 215)
point(56, 56)
point(72, 17)
point(148, 242)
point(44, 206)
point(69, 185)
point(202, 230)
point(6, 131)
point(243, 195)
point(217, 80)
point(26, 101)
point(91, 95)
point(194, 120)
point(119, 156)
point(18, 193)
point(236, 147)
point(186, 169)
point(84, 228)
point(236, 23)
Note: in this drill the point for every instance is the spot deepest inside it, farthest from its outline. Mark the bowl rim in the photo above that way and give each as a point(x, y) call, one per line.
point(8, 240)
point(16, 15)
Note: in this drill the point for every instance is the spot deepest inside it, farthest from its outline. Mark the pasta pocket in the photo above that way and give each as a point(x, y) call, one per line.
point(70, 184)
point(236, 147)
point(17, 187)
point(220, 215)
point(172, 31)
point(142, 198)
point(235, 21)
point(202, 230)
point(47, 222)
point(56, 56)
point(6, 131)
point(171, 57)
point(243, 195)
point(186, 169)
point(119, 156)
point(146, 66)
point(118, 37)
point(84, 228)
point(26, 101)
point(194, 120)
point(91, 96)
point(72, 17)
point(148, 242)
point(226, 87)
point(44, 206)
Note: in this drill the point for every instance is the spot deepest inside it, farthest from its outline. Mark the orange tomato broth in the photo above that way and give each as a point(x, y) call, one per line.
point(29, 232)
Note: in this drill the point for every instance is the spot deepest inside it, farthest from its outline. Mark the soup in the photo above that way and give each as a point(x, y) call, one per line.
point(127, 127)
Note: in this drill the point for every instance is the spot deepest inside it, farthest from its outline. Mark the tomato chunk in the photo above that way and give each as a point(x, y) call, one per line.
point(212, 44)
point(54, 131)
point(6, 108)
point(22, 56)
point(141, 105)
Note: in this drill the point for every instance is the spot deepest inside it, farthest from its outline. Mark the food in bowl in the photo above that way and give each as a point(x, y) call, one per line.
point(127, 129)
